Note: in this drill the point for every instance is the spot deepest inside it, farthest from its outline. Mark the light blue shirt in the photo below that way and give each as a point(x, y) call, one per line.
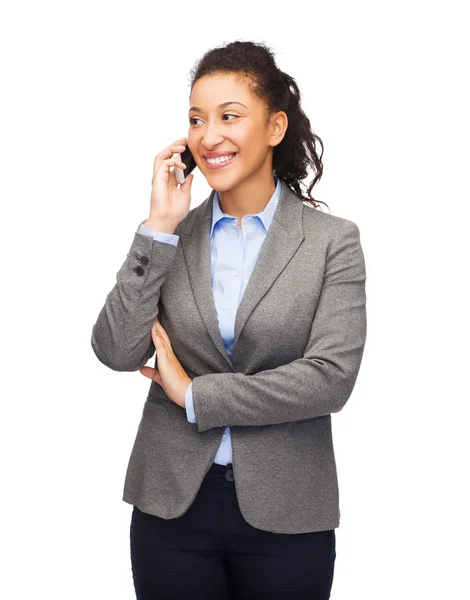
point(234, 252)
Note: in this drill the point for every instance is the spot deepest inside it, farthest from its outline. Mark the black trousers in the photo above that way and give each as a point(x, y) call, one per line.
point(211, 552)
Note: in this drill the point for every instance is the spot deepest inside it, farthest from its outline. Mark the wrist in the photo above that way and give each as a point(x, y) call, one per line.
point(160, 225)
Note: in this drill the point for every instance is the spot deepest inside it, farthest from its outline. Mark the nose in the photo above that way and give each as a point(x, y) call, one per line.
point(211, 137)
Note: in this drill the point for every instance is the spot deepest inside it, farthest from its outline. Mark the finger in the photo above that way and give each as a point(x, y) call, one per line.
point(172, 181)
point(173, 162)
point(156, 335)
point(180, 144)
point(166, 166)
point(177, 146)
point(161, 344)
point(162, 333)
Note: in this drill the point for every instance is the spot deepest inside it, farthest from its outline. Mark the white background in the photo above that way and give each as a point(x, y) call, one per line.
point(91, 92)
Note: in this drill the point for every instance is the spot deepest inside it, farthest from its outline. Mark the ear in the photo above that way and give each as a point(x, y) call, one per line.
point(279, 123)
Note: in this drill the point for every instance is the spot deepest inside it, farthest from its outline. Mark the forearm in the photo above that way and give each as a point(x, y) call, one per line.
point(302, 390)
point(121, 337)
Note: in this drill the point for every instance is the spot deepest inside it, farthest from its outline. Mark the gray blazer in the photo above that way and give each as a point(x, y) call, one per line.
point(300, 332)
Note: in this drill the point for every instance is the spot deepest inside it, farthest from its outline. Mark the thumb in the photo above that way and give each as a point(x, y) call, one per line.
point(186, 185)
point(151, 374)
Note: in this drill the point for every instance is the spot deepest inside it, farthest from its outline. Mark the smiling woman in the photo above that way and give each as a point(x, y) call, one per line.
point(231, 141)
point(261, 328)
point(243, 105)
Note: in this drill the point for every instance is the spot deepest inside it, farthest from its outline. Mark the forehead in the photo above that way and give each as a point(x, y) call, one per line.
point(211, 90)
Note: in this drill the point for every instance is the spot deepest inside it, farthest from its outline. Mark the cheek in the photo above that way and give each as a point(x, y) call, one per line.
point(252, 151)
point(251, 141)
point(191, 141)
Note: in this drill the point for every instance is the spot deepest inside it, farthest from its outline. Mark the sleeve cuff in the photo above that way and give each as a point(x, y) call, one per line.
point(190, 414)
point(160, 236)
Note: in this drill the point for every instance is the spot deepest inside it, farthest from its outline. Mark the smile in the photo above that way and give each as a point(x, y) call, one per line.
point(220, 162)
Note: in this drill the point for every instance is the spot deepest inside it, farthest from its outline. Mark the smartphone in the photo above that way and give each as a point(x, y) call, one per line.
point(188, 160)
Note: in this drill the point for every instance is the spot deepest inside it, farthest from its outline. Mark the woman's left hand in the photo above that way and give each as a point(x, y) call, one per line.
point(170, 374)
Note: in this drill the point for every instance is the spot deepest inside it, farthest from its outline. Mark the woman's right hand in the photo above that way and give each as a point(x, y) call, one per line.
point(169, 204)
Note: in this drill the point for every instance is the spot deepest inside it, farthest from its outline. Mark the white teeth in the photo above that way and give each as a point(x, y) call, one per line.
point(219, 159)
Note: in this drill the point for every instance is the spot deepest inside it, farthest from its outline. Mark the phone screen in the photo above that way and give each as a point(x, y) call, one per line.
point(188, 160)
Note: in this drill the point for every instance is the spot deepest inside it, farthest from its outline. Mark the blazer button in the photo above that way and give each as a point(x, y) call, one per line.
point(138, 270)
point(144, 260)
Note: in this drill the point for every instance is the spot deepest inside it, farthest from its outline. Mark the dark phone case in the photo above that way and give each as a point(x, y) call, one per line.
point(188, 160)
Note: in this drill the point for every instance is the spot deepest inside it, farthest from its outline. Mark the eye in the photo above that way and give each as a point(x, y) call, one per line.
point(192, 119)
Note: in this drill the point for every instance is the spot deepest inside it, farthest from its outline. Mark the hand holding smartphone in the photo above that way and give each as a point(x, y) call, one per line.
point(187, 158)
point(169, 204)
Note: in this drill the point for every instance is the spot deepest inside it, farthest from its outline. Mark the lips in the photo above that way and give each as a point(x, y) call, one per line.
point(220, 165)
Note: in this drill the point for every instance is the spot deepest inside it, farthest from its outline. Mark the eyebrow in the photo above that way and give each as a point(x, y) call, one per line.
point(223, 105)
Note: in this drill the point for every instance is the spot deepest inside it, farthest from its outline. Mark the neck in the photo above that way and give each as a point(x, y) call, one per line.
point(248, 198)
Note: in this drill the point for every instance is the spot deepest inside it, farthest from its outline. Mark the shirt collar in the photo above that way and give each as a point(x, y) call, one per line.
point(266, 215)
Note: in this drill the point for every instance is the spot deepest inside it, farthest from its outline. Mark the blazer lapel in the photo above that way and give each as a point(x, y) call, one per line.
point(282, 241)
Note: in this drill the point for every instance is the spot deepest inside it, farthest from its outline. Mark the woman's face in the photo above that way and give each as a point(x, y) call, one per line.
point(225, 116)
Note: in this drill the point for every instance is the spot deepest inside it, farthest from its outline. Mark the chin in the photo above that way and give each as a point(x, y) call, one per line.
point(221, 184)
point(222, 188)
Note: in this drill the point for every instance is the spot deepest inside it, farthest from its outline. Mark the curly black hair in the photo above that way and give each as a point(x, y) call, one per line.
point(279, 91)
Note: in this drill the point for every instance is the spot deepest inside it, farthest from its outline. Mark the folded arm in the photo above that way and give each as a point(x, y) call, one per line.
point(322, 380)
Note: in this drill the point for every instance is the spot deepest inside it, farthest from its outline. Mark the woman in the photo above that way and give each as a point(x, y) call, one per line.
point(254, 303)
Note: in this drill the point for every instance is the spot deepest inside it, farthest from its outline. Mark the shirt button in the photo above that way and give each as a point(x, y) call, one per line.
point(235, 273)
point(224, 437)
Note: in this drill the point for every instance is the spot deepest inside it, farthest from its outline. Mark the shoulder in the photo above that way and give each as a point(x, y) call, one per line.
point(318, 222)
point(338, 237)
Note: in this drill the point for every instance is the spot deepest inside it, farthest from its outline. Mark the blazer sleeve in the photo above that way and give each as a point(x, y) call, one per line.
point(322, 380)
point(121, 337)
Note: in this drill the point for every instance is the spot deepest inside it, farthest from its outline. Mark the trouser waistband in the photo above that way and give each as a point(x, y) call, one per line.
point(221, 468)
